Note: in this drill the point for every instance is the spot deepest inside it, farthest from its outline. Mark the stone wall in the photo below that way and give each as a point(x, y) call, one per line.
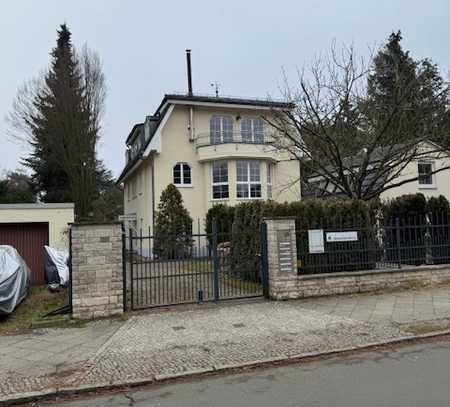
point(285, 283)
point(97, 281)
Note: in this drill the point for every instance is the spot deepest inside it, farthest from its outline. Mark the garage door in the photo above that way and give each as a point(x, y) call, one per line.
point(29, 240)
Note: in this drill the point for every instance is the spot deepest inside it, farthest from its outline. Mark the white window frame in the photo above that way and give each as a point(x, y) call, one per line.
point(252, 133)
point(433, 183)
point(220, 183)
point(221, 131)
point(269, 169)
point(182, 184)
point(249, 182)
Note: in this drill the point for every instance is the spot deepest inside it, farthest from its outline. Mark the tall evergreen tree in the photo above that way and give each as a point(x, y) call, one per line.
point(406, 93)
point(63, 139)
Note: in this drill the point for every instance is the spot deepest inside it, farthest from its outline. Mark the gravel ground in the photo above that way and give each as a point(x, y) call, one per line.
point(175, 342)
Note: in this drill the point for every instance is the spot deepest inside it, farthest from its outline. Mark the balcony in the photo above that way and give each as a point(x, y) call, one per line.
point(226, 144)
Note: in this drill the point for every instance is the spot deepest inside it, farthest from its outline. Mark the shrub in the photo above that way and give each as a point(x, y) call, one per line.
point(224, 216)
point(309, 214)
point(173, 226)
point(412, 212)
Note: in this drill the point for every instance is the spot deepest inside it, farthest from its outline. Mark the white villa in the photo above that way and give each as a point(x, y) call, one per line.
point(214, 149)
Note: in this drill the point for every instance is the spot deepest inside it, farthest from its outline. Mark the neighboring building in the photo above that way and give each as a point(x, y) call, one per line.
point(30, 226)
point(428, 183)
point(214, 149)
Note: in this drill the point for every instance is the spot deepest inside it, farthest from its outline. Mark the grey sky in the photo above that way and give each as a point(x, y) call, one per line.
point(241, 44)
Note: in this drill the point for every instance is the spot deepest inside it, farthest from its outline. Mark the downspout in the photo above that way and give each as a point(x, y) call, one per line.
point(191, 123)
point(152, 168)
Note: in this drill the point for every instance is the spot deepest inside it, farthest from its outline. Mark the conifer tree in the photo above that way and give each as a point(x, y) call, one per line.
point(173, 226)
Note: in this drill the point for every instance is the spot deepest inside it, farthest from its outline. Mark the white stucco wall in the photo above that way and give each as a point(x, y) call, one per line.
point(440, 186)
point(57, 215)
point(176, 147)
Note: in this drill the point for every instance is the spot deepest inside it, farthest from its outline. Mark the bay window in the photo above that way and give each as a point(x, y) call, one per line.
point(220, 189)
point(248, 179)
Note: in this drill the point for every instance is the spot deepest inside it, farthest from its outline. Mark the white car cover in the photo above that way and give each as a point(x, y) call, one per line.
point(56, 266)
point(14, 279)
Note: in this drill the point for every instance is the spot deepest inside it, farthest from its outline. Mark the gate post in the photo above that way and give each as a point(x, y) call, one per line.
point(216, 264)
point(264, 261)
point(282, 258)
point(97, 285)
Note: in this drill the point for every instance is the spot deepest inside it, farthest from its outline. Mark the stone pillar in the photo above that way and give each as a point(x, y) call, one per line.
point(282, 258)
point(97, 280)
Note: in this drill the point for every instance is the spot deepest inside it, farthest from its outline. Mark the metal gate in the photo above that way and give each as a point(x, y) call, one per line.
point(170, 270)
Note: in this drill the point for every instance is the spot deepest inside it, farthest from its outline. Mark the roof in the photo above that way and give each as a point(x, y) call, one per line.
point(225, 100)
point(39, 205)
point(133, 132)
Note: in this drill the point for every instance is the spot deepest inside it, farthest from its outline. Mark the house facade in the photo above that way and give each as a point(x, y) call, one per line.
point(213, 149)
point(428, 175)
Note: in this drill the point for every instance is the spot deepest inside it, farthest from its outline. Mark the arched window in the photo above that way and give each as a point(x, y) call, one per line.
point(221, 129)
point(182, 174)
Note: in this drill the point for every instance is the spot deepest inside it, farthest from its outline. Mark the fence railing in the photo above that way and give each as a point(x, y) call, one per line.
point(240, 137)
point(165, 270)
point(373, 247)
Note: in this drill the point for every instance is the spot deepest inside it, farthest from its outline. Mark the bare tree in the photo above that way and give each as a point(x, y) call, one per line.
point(346, 140)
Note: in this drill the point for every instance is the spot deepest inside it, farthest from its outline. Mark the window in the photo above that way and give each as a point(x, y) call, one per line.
point(182, 174)
point(248, 179)
point(252, 130)
point(220, 180)
point(425, 173)
point(269, 180)
point(221, 129)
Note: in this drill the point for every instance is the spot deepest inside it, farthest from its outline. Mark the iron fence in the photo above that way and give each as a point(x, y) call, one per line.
point(194, 268)
point(379, 246)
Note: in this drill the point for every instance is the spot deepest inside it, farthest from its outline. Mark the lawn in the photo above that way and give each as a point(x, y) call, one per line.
point(29, 314)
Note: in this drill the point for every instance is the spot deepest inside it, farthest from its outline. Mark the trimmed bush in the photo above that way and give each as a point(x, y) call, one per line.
point(173, 226)
point(331, 215)
point(412, 212)
point(224, 216)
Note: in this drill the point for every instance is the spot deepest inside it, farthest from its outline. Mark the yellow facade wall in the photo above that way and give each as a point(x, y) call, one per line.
point(58, 216)
point(176, 146)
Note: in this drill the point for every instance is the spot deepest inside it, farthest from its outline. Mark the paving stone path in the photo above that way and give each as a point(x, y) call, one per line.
point(164, 342)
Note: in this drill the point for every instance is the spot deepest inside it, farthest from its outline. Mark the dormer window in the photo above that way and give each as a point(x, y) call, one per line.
point(182, 174)
point(221, 129)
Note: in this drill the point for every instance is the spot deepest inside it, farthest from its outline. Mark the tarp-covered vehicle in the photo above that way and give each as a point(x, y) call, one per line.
point(56, 268)
point(14, 279)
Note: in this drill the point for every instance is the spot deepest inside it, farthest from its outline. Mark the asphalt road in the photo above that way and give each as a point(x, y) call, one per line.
point(411, 376)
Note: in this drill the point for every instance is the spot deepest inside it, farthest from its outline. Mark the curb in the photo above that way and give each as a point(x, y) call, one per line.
point(160, 379)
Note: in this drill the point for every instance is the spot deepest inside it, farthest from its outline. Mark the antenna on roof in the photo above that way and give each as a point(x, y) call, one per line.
point(189, 71)
point(216, 87)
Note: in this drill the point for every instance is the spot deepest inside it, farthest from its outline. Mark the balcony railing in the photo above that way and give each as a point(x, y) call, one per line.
point(228, 137)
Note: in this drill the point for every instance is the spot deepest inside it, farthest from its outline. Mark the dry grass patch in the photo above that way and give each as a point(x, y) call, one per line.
point(31, 311)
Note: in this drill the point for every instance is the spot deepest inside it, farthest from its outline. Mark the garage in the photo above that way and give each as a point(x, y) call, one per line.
point(29, 227)
point(29, 240)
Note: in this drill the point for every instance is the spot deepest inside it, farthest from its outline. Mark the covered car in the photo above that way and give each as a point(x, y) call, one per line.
point(14, 279)
point(56, 267)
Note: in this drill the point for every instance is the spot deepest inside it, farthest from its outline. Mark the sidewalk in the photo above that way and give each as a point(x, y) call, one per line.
point(155, 345)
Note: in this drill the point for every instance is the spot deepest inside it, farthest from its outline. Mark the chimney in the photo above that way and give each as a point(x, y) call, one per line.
point(189, 73)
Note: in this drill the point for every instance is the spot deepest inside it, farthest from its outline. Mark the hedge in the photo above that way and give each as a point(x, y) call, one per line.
point(335, 214)
point(410, 211)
